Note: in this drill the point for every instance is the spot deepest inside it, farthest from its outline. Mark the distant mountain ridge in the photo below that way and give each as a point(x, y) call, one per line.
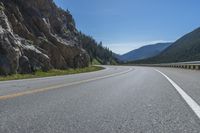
point(187, 48)
point(144, 52)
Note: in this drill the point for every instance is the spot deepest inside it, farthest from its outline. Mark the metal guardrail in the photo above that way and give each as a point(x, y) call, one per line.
point(195, 65)
point(187, 65)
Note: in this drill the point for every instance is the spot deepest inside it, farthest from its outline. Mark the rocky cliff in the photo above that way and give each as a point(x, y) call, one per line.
point(36, 34)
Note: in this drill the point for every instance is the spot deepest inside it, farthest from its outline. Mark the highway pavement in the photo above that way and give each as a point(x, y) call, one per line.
point(118, 99)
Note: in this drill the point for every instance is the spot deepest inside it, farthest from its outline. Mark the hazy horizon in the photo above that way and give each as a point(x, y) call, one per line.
point(126, 25)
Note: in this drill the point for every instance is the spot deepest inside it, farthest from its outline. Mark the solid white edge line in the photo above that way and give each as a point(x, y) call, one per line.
point(192, 104)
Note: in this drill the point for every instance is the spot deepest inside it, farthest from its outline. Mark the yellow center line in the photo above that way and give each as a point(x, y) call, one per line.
point(10, 96)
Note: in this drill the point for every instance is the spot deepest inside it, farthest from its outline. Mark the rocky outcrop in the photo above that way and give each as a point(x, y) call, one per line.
point(36, 34)
point(17, 53)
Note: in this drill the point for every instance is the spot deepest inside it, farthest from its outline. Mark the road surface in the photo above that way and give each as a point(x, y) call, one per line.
point(118, 99)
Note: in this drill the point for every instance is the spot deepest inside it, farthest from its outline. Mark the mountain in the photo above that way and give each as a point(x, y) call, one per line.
point(144, 52)
point(187, 48)
point(38, 35)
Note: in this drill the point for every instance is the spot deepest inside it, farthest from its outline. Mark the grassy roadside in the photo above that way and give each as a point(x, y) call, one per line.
point(53, 72)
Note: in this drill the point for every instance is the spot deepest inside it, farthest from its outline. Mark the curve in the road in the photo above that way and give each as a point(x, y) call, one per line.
point(38, 90)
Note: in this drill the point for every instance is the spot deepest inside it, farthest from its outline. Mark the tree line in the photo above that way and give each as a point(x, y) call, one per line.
point(97, 50)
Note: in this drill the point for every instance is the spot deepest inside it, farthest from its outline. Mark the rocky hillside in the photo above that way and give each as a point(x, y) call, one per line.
point(36, 34)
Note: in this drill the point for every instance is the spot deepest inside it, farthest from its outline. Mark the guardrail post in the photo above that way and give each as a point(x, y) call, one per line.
point(197, 67)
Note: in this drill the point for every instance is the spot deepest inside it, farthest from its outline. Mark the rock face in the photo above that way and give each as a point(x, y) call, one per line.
point(36, 34)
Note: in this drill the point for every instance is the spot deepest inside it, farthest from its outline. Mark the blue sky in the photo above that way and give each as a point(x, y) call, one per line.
point(123, 25)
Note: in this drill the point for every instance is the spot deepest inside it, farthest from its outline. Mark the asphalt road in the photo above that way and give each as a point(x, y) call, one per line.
point(118, 99)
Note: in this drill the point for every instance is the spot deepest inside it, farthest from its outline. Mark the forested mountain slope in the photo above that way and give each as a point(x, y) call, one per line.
point(187, 48)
